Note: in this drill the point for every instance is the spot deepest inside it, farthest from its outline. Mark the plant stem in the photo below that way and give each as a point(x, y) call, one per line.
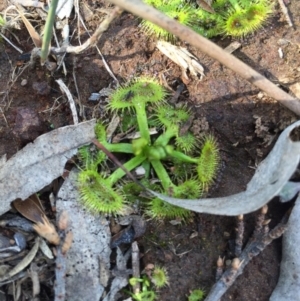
point(165, 137)
point(119, 147)
point(48, 31)
point(162, 174)
point(183, 157)
point(129, 165)
point(142, 120)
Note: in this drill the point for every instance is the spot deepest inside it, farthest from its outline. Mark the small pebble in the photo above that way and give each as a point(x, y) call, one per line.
point(226, 234)
point(24, 82)
point(260, 95)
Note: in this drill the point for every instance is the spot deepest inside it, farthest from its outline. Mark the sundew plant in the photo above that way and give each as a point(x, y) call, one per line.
point(235, 18)
point(181, 168)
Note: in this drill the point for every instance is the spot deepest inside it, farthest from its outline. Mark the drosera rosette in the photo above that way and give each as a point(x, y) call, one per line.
point(154, 278)
point(246, 16)
point(159, 277)
point(105, 193)
point(146, 293)
point(235, 18)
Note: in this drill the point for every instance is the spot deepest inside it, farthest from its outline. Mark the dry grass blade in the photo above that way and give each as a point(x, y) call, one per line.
point(37, 40)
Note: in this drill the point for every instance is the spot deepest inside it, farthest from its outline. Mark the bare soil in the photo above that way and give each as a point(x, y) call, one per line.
point(245, 122)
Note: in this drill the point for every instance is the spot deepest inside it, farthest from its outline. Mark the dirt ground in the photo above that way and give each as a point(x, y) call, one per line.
point(245, 121)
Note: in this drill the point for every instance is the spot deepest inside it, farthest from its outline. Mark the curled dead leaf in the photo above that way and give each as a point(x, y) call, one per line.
point(30, 208)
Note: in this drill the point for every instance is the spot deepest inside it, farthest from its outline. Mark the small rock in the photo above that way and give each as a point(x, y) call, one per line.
point(24, 82)
point(260, 95)
point(226, 234)
point(140, 171)
point(282, 42)
point(28, 125)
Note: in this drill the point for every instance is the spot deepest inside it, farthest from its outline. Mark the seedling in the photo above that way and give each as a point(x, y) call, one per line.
point(170, 155)
point(157, 279)
point(227, 17)
point(146, 294)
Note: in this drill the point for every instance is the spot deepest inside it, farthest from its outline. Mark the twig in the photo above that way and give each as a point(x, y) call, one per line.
point(220, 268)
point(239, 236)
point(285, 12)
point(81, 110)
point(65, 89)
point(8, 41)
point(260, 220)
point(60, 58)
point(61, 250)
point(36, 288)
point(1, 111)
point(60, 273)
point(255, 245)
point(136, 273)
point(94, 38)
point(149, 13)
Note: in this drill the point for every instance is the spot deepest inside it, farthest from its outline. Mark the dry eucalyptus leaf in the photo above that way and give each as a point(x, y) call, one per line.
point(91, 239)
point(3, 160)
point(40, 162)
point(288, 286)
point(270, 177)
